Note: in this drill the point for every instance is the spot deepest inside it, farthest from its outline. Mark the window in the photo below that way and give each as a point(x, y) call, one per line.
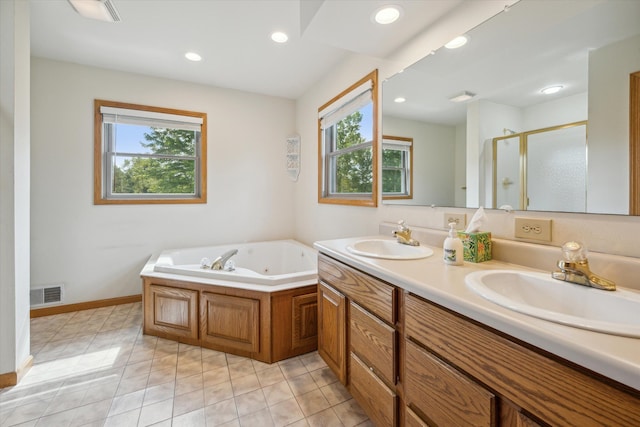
point(148, 154)
point(347, 139)
point(397, 167)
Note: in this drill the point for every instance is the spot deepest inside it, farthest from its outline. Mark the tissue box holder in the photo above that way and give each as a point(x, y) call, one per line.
point(477, 246)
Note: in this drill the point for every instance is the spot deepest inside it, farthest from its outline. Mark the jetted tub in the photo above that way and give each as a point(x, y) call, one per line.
point(281, 262)
point(265, 309)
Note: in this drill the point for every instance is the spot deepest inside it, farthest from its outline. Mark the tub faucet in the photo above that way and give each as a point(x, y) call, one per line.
point(403, 235)
point(574, 268)
point(218, 263)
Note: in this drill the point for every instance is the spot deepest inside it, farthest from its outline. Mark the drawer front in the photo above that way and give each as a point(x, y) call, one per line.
point(413, 420)
point(444, 395)
point(374, 342)
point(374, 295)
point(375, 398)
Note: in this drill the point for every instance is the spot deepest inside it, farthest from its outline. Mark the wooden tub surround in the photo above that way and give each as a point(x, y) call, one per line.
point(265, 326)
point(409, 361)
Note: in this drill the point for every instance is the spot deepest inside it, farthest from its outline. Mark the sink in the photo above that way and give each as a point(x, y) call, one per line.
point(539, 295)
point(388, 249)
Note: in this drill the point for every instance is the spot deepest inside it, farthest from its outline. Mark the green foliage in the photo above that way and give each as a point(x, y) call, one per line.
point(140, 175)
point(354, 170)
point(391, 176)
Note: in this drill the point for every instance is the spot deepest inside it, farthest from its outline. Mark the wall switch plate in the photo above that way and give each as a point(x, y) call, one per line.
point(533, 229)
point(459, 219)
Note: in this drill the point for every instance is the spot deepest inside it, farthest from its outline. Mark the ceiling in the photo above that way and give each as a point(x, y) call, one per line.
point(511, 57)
point(232, 36)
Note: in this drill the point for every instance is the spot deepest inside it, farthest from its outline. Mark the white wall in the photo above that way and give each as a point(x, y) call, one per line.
point(14, 182)
point(609, 70)
point(432, 143)
point(98, 251)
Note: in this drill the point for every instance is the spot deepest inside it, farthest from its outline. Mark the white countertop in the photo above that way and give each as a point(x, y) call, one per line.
point(613, 356)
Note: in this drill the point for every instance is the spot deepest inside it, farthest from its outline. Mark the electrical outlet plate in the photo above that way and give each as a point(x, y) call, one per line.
point(459, 218)
point(533, 229)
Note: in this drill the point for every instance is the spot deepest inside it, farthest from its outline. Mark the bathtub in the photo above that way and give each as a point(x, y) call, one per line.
point(265, 309)
point(264, 266)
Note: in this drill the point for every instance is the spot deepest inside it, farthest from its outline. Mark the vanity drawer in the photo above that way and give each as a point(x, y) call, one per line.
point(444, 395)
point(374, 342)
point(377, 400)
point(412, 420)
point(375, 295)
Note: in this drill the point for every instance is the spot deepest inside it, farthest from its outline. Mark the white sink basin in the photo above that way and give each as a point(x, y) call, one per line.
point(537, 294)
point(388, 249)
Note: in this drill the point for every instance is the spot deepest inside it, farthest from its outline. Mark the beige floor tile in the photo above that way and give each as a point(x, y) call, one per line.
point(302, 384)
point(312, 402)
point(261, 418)
point(156, 412)
point(126, 419)
point(217, 392)
point(188, 402)
point(190, 419)
point(221, 412)
point(350, 413)
point(270, 376)
point(245, 384)
point(96, 368)
point(126, 402)
point(250, 402)
point(159, 393)
point(286, 412)
point(335, 393)
point(277, 392)
point(326, 418)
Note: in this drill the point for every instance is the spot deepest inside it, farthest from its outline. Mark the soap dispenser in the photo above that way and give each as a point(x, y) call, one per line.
point(453, 252)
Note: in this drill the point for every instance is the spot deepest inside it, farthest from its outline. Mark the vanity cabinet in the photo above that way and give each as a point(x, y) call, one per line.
point(358, 336)
point(492, 379)
point(411, 362)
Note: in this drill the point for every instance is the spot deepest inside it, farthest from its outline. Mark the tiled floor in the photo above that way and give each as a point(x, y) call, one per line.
point(95, 368)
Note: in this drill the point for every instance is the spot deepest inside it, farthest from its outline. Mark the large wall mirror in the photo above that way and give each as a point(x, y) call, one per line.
point(467, 110)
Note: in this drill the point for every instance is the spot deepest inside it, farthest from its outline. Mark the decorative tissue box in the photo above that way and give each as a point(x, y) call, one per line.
point(477, 246)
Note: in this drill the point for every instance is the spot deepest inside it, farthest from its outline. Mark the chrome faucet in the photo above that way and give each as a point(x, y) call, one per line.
point(574, 268)
point(403, 235)
point(218, 263)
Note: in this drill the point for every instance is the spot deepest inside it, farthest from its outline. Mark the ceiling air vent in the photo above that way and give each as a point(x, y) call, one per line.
point(46, 296)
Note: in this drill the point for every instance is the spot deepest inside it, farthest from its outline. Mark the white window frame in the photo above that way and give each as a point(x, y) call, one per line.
point(405, 146)
point(108, 113)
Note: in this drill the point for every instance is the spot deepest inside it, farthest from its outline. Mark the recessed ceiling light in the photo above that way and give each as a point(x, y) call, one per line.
point(399, 100)
point(457, 42)
point(552, 89)
point(464, 96)
point(192, 56)
point(387, 15)
point(279, 37)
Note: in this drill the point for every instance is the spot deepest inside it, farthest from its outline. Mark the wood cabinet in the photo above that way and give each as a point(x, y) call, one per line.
point(531, 387)
point(410, 362)
point(332, 324)
point(171, 311)
point(266, 326)
point(358, 337)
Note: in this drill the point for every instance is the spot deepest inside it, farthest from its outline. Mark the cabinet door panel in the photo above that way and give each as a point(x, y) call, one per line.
point(231, 321)
point(171, 311)
point(332, 341)
point(374, 342)
point(444, 395)
point(304, 318)
point(377, 400)
point(411, 419)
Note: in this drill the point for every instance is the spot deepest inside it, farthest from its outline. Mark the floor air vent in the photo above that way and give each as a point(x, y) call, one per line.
point(44, 296)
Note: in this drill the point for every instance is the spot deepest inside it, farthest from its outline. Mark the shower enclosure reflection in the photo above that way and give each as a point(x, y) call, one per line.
point(555, 157)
